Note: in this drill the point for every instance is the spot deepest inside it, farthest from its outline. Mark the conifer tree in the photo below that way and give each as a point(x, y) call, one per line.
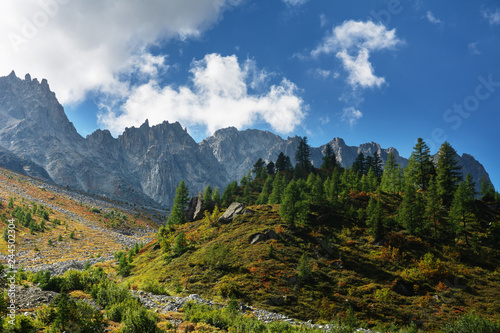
point(228, 193)
point(332, 186)
point(266, 191)
point(420, 167)
point(317, 193)
point(278, 188)
point(216, 195)
point(411, 212)
point(374, 218)
point(246, 194)
point(281, 162)
point(329, 159)
point(178, 213)
point(448, 173)
point(370, 181)
point(303, 156)
point(462, 207)
point(258, 167)
point(359, 164)
point(486, 191)
point(377, 164)
point(294, 208)
point(434, 210)
point(270, 168)
point(392, 176)
point(207, 195)
point(368, 164)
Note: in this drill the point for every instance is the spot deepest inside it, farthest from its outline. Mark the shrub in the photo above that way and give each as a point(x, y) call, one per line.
point(117, 311)
point(107, 293)
point(22, 324)
point(471, 323)
point(140, 320)
point(74, 280)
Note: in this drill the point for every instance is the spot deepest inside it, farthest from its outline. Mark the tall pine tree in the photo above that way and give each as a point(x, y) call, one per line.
point(420, 167)
point(448, 173)
point(329, 158)
point(303, 156)
point(462, 207)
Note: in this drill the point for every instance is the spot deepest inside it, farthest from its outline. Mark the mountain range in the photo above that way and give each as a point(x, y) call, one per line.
point(143, 165)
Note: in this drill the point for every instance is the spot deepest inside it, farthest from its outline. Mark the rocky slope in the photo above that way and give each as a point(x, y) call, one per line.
point(145, 164)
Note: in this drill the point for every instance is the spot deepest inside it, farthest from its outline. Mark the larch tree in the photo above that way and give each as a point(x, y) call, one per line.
point(392, 176)
point(462, 207)
point(434, 210)
point(216, 195)
point(178, 213)
point(294, 208)
point(411, 212)
point(207, 195)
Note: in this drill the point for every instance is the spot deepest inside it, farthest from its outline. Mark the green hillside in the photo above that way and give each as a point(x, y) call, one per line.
point(390, 249)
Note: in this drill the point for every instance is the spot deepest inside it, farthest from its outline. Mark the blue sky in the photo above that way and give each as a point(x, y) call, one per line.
point(383, 71)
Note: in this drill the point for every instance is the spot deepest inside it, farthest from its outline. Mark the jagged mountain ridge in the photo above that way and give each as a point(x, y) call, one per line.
point(143, 165)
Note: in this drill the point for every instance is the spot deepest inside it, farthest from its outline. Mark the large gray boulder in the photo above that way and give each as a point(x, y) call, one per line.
point(195, 209)
point(234, 209)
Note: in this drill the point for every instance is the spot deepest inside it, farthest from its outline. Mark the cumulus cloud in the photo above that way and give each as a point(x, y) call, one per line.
point(82, 46)
point(352, 42)
point(493, 17)
point(219, 96)
point(431, 18)
point(351, 116)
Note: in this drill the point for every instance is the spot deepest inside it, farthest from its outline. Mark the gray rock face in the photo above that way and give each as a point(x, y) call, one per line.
point(143, 165)
point(234, 209)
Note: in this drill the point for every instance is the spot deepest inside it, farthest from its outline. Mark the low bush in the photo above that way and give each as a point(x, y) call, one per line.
point(471, 323)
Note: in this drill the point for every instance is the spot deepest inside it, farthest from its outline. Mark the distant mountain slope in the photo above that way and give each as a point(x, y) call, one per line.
point(143, 165)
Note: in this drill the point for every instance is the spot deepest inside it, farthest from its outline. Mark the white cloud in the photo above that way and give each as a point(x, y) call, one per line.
point(360, 69)
point(294, 2)
point(352, 42)
point(430, 16)
point(82, 46)
point(473, 49)
point(218, 97)
point(493, 17)
point(351, 116)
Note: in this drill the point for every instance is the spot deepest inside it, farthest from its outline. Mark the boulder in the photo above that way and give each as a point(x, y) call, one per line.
point(248, 211)
point(234, 209)
point(195, 208)
point(262, 237)
point(254, 239)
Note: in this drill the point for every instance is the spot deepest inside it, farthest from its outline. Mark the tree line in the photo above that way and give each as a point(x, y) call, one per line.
point(430, 196)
